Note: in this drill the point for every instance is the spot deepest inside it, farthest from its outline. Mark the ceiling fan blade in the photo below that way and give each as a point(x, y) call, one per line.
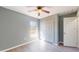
point(45, 11)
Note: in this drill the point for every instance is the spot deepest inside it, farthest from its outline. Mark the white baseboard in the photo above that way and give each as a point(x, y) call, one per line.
point(17, 46)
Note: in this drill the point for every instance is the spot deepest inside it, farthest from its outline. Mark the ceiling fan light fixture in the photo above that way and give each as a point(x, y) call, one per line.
point(39, 10)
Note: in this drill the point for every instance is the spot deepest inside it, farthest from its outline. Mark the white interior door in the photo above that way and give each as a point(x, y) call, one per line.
point(70, 34)
point(47, 29)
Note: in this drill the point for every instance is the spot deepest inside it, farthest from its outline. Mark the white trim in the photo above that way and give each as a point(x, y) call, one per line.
point(16, 46)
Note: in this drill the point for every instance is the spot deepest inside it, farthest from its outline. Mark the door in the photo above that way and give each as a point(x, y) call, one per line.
point(47, 29)
point(70, 34)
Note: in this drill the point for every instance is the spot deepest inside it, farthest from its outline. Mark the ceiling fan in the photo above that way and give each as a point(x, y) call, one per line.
point(40, 9)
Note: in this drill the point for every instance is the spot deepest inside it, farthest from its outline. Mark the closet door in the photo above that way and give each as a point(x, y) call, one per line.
point(70, 34)
point(47, 29)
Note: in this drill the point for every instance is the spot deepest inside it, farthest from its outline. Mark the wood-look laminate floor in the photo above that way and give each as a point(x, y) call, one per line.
point(42, 46)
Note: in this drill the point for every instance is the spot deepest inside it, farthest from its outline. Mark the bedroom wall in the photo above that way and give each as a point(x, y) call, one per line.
point(14, 28)
point(60, 29)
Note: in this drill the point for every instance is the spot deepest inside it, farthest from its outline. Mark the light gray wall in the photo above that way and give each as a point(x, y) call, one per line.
point(49, 29)
point(60, 29)
point(14, 28)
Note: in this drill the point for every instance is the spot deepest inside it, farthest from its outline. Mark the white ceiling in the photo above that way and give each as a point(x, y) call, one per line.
point(53, 10)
